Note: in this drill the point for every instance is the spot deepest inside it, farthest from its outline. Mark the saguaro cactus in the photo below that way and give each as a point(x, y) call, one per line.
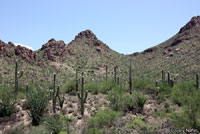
point(118, 80)
point(76, 80)
point(130, 79)
point(61, 100)
point(168, 78)
point(17, 76)
point(163, 76)
point(82, 97)
point(54, 93)
point(197, 81)
point(115, 74)
point(106, 72)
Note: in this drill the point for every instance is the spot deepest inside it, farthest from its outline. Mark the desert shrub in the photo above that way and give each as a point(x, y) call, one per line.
point(37, 102)
point(181, 91)
point(92, 87)
point(190, 116)
point(104, 87)
point(120, 100)
point(41, 129)
point(94, 131)
point(123, 101)
point(7, 102)
point(16, 130)
point(57, 123)
point(69, 87)
point(140, 100)
point(103, 118)
point(142, 84)
point(164, 91)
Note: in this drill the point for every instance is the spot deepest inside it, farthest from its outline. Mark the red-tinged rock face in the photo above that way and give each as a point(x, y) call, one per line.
point(55, 48)
point(195, 21)
point(87, 34)
point(25, 53)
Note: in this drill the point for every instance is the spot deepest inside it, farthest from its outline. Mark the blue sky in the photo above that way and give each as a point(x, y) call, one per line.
point(126, 26)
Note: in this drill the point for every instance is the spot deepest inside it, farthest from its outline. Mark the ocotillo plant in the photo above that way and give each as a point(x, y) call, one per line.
point(61, 100)
point(163, 76)
point(130, 79)
point(54, 93)
point(106, 72)
point(197, 81)
point(17, 76)
point(115, 74)
point(76, 80)
point(82, 97)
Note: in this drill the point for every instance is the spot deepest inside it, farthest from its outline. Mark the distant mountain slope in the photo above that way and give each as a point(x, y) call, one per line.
point(180, 55)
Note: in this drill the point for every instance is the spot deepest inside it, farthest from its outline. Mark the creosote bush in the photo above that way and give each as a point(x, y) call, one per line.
point(57, 123)
point(103, 119)
point(69, 87)
point(123, 101)
point(37, 102)
point(7, 102)
point(104, 87)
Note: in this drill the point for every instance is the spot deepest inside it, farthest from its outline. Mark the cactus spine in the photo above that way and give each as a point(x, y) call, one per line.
point(54, 93)
point(130, 79)
point(163, 76)
point(197, 81)
point(17, 76)
point(82, 97)
point(106, 72)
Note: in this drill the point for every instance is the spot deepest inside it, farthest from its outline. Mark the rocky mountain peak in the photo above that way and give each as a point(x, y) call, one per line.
point(87, 34)
point(195, 21)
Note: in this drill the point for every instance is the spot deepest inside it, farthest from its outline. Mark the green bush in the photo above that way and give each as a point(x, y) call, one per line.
point(94, 131)
point(57, 123)
point(92, 87)
point(142, 84)
point(69, 87)
point(100, 86)
point(181, 91)
point(7, 102)
point(123, 101)
point(140, 100)
point(103, 118)
point(120, 100)
point(37, 102)
point(190, 116)
point(41, 129)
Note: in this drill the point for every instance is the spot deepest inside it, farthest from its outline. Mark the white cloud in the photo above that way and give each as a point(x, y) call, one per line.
point(16, 44)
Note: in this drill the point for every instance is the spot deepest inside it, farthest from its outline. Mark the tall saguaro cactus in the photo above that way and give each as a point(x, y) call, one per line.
point(76, 80)
point(115, 74)
point(197, 81)
point(168, 78)
point(130, 79)
point(54, 93)
point(17, 76)
point(82, 97)
point(106, 72)
point(163, 76)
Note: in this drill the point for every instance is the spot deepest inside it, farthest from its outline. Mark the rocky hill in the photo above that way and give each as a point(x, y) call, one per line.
point(179, 55)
